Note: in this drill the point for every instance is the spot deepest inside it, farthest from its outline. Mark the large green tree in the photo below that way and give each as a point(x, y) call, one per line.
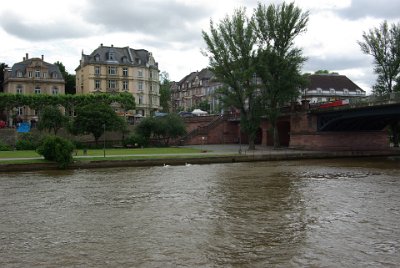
point(70, 87)
point(383, 44)
point(163, 129)
point(51, 118)
point(230, 49)
point(165, 92)
point(94, 118)
point(3, 67)
point(279, 62)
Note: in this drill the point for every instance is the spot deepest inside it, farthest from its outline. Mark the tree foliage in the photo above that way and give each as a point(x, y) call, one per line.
point(3, 67)
point(69, 102)
point(258, 81)
point(230, 49)
point(279, 62)
point(57, 149)
point(383, 44)
point(161, 129)
point(94, 118)
point(51, 118)
point(70, 87)
point(165, 92)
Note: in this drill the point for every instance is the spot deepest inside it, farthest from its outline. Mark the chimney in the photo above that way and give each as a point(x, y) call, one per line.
point(112, 45)
point(23, 58)
point(42, 57)
point(101, 44)
point(26, 56)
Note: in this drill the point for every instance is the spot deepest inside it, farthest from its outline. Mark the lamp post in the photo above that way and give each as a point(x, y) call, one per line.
point(104, 139)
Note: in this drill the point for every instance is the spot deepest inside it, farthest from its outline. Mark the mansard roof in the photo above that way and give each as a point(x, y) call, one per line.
point(329, 81)
point(204, 74)
point(23, 65)
point(120, 55)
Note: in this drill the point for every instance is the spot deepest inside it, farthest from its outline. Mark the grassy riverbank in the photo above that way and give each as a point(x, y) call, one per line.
point(116, 157)
point(112, 154)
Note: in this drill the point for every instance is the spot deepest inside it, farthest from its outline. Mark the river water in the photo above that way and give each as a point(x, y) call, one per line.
point(311, 213)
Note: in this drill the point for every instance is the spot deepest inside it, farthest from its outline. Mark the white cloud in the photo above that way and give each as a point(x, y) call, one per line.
point(171, 29)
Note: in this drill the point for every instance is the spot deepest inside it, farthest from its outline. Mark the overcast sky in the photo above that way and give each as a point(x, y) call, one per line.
point(171, 30)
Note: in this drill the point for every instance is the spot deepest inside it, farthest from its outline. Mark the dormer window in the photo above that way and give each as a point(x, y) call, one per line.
point(111, 55)
point(319, 90)
point(19, 73)
point(332, 91)
point(345, 91)
point(97, 57)
point(124, 59)
point(358, 92)
point(54, 75)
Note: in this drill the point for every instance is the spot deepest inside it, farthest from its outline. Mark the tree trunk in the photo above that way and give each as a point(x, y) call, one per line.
point(395, 132)
point(276, 136)
point(252, 145)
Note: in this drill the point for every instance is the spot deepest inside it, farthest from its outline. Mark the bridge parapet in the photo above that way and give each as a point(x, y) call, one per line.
point(391, 98)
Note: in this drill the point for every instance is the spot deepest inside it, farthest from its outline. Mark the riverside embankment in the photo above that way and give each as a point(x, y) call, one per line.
point(209, 154)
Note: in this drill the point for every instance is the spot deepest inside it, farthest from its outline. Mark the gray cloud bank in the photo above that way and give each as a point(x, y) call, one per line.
point(380, 9)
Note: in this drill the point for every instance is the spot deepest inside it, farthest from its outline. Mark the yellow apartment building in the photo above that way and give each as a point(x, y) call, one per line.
point(32, 76)
point(110, 69)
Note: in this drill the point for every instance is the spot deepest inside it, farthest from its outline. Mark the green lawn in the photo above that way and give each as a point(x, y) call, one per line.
point(109, 152)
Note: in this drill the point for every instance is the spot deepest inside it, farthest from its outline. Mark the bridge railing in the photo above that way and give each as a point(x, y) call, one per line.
point(392, 97)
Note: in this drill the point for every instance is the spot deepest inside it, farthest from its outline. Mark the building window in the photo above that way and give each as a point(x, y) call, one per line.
point(140, 85)
point(125, 85)
point(97, 57)
point(140, 73)
point(112, 84)
point(20, 110)
point(54, 75)
point(332, 91)
point(44, 75)
point(111, 56)
point(37, 73)
point(125, 72)
point(54, 91)
point(140, 99)
point(112, 70)
point(30, 74)
point(37, 90)
point(19, 74)
point(151, 74)
point(345, 91)
point(19, 89)
point(97, 70)
point(97, 84)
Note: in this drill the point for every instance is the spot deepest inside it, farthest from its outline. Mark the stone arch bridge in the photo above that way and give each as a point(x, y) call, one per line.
point(359, 125)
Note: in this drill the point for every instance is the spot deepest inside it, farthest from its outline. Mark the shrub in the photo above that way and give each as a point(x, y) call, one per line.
point(27, 141)
point(4, 147)
point(57, 149)
point(135, 140)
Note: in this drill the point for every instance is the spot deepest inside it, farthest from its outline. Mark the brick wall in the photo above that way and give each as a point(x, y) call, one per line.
point(360, 141)
point(8, 136)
